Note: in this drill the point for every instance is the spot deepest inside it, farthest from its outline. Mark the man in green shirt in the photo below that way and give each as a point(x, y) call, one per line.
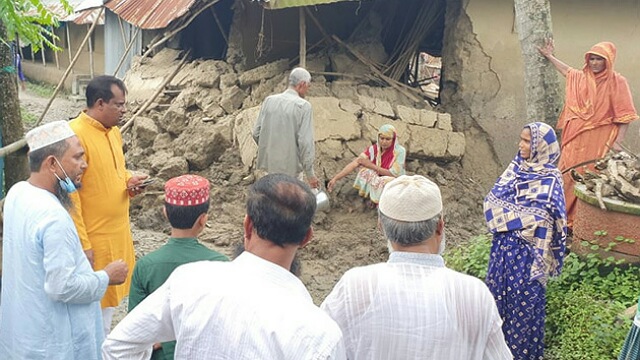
point(186, 202)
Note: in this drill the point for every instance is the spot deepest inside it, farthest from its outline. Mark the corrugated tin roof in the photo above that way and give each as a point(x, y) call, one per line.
point(281, 4)
point(88, 17)
point(150, 14)
point(58, 11)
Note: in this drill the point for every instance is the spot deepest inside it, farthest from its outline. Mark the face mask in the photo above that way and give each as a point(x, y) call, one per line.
point(66, 184)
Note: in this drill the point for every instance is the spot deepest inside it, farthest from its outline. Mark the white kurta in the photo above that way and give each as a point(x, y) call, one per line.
point(246, 309)
point(413, 307)
point(50, 305)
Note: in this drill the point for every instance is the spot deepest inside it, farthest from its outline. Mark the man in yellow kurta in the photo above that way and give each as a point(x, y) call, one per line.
point(101, 211)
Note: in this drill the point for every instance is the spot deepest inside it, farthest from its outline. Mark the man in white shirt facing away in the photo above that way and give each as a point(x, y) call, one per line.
point(250, 308)
point(412, 306)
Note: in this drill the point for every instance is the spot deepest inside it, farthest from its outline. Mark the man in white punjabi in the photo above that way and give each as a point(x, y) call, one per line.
point(284, 131)
point(412, 307)
point(50, 295)
point(249, 308)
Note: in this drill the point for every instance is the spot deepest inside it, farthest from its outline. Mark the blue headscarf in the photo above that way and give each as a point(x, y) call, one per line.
point(528, 201)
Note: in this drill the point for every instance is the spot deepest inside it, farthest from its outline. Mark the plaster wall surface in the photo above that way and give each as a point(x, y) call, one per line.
point(484, 75)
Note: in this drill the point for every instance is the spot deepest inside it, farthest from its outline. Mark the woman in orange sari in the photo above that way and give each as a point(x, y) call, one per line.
point(597, 111)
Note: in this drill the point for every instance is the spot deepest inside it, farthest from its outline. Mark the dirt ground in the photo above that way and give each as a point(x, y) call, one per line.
point(61, 108)
point(345, 237)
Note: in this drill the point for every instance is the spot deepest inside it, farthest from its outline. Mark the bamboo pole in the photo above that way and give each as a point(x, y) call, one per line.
point(166, 81)
point(44, 61)
point(33, 56)
point(220, 27)
point(124, 37)
point(407, 91)
point(126, 51)
point(316, 22)
point(303, 37)
point(55, 53)
point(177, 30)
point(90, 44)
point(69, 44)
point(11, 148)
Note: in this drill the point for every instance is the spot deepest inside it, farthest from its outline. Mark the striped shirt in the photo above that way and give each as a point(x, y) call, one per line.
point(413, 307)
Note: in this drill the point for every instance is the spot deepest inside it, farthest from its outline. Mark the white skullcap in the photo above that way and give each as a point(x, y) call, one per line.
point(410, 198)
point(48, 134)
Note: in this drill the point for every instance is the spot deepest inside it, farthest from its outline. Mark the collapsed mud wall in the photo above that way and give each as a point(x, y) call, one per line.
point(204, 118)
point(473, 93)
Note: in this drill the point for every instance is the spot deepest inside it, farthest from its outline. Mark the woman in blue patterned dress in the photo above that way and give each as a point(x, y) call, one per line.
point(525, 212)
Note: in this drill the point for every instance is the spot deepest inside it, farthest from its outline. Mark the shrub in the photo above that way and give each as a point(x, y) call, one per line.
point(583, 303)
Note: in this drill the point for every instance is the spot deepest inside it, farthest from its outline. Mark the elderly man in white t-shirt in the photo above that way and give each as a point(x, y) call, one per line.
point(412, 306)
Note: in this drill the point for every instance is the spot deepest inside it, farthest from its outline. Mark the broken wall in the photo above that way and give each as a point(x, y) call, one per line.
point(483, 78)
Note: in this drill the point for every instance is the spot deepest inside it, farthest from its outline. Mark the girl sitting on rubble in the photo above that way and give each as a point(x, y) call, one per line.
point(378, 164)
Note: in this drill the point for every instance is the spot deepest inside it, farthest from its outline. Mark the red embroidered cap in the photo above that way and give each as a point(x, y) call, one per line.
point(186, 190)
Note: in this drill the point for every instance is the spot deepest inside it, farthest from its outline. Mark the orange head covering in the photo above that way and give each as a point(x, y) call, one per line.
point(597, 99)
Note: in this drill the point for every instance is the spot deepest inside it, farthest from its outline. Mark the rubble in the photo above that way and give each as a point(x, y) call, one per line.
point(192, 126)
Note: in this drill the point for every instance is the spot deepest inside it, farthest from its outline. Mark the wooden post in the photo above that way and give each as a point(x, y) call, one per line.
point(33, 56)
point(44, 61)
point(90, 51)
point(124, 37)
point(220, 27)
point(55, 53)
point(303, 37)
point(126, 51)
point(69, 44)
point(166, 81)
point(13, 147)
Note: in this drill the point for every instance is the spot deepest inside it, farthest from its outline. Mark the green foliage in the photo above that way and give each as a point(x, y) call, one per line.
point(28, 119)
point(31, 20)
point(41, 89)
point(472, 258)
point(583, 303)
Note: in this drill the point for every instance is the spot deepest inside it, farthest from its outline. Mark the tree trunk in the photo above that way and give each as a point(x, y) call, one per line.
point(15, 165)
point(542, 89)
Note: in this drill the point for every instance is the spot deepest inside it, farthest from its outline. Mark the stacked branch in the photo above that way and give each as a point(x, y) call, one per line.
point(425, 22)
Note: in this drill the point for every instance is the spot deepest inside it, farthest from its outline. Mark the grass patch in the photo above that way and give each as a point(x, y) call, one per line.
point(28, 118)
point(583, 303)
point(41, 89)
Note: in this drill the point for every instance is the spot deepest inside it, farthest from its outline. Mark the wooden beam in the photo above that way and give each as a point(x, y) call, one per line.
point(303, 37)
point(220, 27)
point(159, 90)
point(11, 148)
point(124, 37)
point(44, 61)
point(90, 43)
point(407, 91)
point(55, 53)
point(68, 43)
point(177, 30)
point(126, 51)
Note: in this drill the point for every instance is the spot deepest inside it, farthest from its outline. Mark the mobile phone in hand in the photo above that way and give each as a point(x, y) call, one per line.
point(144, 183)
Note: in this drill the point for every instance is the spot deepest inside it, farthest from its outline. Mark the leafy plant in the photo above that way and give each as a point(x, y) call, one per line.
point(41, 89)
point(583, 303)
point(28, 118)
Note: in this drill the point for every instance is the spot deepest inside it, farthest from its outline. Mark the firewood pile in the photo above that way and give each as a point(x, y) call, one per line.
point(617, 175)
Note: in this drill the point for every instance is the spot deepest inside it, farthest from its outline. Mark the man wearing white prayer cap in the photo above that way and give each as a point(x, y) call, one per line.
point(413, 307)
point(50, 297)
